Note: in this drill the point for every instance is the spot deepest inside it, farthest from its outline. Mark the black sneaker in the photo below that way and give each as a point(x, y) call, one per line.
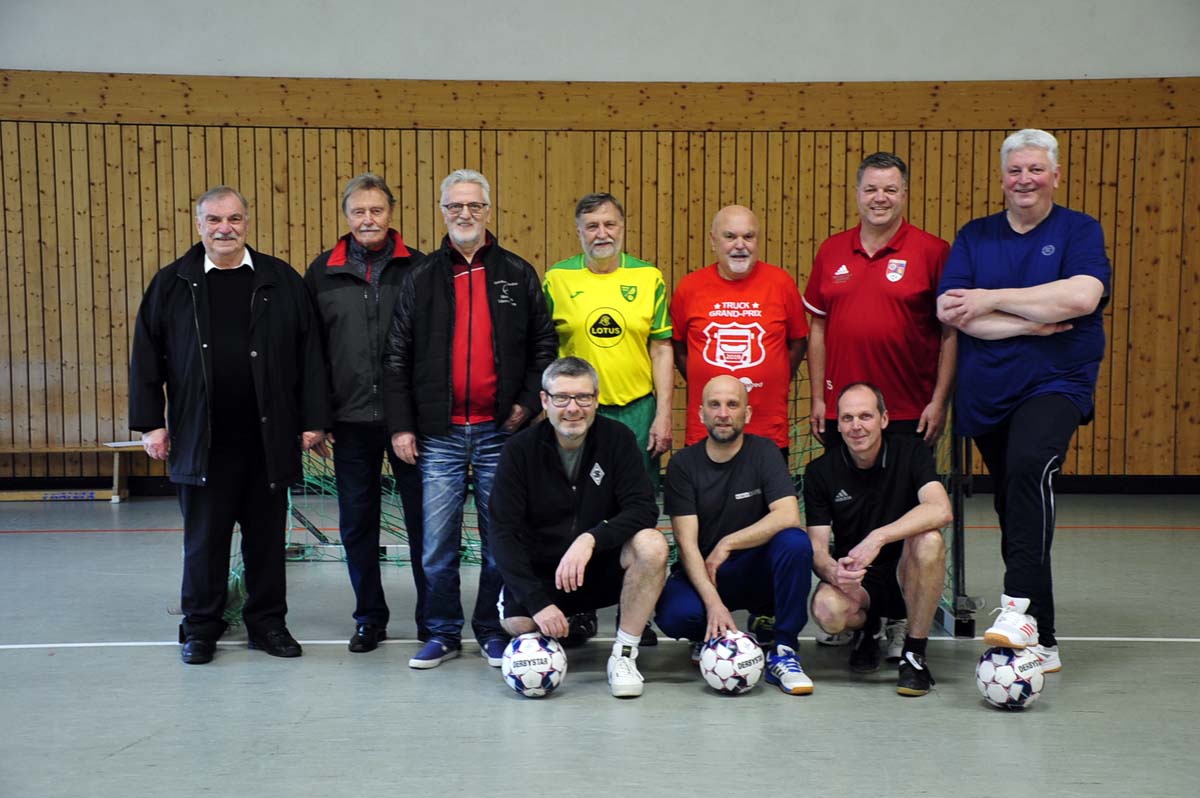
point(864, 652)
point(763, 629)
point(580, 629)
point(915, 678)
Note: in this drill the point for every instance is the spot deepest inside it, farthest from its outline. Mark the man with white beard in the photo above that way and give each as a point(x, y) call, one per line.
point(742, 317)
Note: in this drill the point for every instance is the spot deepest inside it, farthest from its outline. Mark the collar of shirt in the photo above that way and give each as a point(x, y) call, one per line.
point(894, 244)
point(209, 265)
point(457, 258)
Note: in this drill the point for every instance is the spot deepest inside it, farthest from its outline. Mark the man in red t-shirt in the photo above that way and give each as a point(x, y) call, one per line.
point(742, 317)
point(873, 297)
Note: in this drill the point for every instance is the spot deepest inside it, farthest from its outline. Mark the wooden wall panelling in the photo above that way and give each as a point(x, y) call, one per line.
point(1155, 299)
point(569, 175)
point(297, 251)
point(1099, 194)
point(821, 189)
point(648, 195)
point(520, 181)
point(317, 203)
point(277, 205)
point(693, 255)
point(1187, 430)
point(772, 177)
point(66, 364)
point(82, 266)
point(429, 225)
point(1119, 299)
point(683, 202)
point(806, 198)
point(9, 216)
point(631, 168)
point(51, 406)
point(33, 360)
point(838, 185)
point(664, 210)
point(262, 216)
point(101, 222)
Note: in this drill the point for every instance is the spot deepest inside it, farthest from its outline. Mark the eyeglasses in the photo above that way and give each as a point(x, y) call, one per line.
point(455, 208)
point(564, 399)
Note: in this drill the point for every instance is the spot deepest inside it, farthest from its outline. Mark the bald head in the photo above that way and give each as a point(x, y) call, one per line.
point(724, 409)
point(734, 240)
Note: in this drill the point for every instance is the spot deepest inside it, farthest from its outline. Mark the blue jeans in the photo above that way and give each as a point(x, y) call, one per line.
point(444, 460)
point(771, 579)
point(358, 451)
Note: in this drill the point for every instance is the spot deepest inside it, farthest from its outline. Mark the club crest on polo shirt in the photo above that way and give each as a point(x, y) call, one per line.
point(597, 473)
point(733, 345)
point(605, 327)
point(895, 269)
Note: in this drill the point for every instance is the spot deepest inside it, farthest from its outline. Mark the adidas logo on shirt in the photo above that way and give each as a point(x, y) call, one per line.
point(841, 270)
point(843, 496)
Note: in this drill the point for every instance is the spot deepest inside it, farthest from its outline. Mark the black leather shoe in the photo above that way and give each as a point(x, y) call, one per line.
point(197, 651)
point(367, 637)
point(276, 642)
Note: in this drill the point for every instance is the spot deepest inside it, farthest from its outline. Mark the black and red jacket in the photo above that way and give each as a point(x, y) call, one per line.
point(354, 320)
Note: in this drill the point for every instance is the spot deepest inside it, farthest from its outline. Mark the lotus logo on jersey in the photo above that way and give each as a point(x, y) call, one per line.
point(734, 346)
point(606, 327)
point(895, 270)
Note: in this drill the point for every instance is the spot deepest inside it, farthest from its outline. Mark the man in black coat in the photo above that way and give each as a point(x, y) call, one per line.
point(231, 335)
point(355, 286)
point(573, 522)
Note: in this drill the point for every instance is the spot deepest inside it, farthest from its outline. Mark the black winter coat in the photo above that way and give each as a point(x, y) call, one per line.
point(354, 322)
point(418, 356)
point(170, 348)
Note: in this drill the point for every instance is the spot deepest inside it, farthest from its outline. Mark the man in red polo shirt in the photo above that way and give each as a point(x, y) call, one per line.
point(742, 317)
point(872, 296)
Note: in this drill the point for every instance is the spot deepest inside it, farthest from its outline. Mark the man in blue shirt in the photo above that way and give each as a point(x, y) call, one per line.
point(1026, 287)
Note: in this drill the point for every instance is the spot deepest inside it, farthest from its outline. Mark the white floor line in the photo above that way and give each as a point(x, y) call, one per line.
point(413, 641)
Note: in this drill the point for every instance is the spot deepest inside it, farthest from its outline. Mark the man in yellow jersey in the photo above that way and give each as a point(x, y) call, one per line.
point(610, 309)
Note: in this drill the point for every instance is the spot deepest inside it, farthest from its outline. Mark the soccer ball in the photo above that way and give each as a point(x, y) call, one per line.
point(1009, 678)
point(533, 665)
point(732, 663)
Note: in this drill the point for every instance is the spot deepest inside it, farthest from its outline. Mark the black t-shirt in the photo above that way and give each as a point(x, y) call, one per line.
point(726, 497)
point(856, 501)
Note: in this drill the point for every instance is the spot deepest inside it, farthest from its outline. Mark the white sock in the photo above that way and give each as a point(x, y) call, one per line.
point(626, 641)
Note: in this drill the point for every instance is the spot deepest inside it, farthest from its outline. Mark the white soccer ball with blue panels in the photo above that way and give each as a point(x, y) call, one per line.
point(1009, 678)
point(533, 665)
point(732, 663)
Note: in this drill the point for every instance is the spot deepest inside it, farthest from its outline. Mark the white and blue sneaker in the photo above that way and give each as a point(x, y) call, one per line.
point(1051, 661)
point(784, 671)
point(434, 653)
point(492, 650)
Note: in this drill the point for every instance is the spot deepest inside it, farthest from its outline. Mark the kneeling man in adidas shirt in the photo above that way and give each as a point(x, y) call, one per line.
point(880, 498)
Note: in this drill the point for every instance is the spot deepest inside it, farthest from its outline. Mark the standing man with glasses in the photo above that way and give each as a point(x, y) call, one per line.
point(462, 369)
point(355, 286)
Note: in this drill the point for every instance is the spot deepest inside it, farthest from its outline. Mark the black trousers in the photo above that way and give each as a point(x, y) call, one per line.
point(1023, 454)
point(236, 492)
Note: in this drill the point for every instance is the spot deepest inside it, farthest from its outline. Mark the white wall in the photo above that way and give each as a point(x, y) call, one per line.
point(632, 40)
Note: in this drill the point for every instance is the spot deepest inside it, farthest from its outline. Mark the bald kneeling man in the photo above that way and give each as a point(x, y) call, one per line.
point(737, 526)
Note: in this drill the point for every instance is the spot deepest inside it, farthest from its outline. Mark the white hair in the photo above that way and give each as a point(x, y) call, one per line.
point(1029, 138)
point(467, 176)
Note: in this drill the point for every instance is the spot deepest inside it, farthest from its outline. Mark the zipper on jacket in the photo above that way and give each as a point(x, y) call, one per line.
point(203, 371)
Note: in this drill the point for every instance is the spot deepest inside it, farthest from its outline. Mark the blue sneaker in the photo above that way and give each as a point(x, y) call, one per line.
point(434, 653)
point(492, 650)
point(784, 671)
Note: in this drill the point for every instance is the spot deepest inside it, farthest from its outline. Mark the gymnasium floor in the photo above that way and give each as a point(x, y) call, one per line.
point(95, 702)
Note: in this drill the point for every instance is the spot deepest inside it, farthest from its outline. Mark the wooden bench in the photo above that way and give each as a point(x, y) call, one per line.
point(116, 449)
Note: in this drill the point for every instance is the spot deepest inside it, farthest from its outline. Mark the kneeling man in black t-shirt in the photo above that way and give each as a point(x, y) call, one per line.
point(737, 527)
point(881, 498)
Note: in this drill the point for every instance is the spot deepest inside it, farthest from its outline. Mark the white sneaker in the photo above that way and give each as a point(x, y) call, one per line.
point(894, 632)
point(840, 639)
point(623, 676)
point(1051, 662)
point(1013, 628)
